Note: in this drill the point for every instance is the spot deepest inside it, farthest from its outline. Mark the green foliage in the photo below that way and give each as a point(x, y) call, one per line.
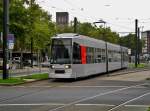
point(129, 41)
point(28, 22)
point(36, 76)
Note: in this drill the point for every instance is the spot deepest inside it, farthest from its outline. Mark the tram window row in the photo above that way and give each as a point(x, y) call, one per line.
point(97, 55)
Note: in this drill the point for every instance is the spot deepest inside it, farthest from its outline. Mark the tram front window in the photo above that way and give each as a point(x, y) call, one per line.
point(61, 51)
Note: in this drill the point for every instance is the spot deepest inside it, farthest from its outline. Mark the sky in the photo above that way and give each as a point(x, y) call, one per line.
point(119, 15)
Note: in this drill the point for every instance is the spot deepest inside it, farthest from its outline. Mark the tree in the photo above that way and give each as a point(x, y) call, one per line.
point(129, 41)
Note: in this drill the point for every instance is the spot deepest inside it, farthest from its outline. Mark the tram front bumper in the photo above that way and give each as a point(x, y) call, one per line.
point(66, 75)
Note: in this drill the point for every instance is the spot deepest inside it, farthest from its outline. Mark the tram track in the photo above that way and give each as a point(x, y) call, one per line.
point(29, 93)
point(53, 86)
point(102, 94)
point(131, 100)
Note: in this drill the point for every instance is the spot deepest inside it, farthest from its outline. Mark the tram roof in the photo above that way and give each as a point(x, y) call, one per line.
point(74, 35)
point(66, 35)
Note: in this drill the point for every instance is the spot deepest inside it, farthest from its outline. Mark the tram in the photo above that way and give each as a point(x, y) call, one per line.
point(76, 56)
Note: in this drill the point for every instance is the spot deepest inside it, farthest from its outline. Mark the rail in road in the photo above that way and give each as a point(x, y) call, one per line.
point(102, 94)
point(85, 95)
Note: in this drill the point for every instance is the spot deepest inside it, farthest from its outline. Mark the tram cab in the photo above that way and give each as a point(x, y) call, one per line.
point(61, 58)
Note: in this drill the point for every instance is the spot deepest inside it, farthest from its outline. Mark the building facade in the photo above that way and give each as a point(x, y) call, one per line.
point(62, 18)
point(146, 38)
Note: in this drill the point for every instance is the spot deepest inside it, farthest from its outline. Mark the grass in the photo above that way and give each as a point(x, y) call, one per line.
point(148, 109)
point(11, 81)
point(36, 76)
point(142, 65)
point(19, 80)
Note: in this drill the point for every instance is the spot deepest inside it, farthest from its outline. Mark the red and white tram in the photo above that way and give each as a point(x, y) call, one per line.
point(75, 56)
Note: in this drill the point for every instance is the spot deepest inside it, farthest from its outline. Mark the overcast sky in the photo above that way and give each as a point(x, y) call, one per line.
point(120, 15)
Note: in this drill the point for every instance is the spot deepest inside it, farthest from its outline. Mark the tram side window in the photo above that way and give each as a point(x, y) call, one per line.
point(76, 53)
point(116, 56)
point(125, 56)
point(90, 55)
point(110, 56)
point(98, 55)
point(103, 55)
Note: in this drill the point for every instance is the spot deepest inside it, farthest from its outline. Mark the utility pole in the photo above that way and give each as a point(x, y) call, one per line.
point(136, 44)
point(75, 24)
point(31, 3)
point(5, 35)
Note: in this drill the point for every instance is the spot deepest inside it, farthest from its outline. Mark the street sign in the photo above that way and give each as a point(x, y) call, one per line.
point(10, 41)
point(129, 51)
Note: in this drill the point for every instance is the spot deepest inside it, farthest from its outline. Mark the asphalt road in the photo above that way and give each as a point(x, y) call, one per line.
point(90, 94)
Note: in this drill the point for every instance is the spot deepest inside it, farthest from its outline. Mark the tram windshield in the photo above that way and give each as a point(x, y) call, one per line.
point(61, 51)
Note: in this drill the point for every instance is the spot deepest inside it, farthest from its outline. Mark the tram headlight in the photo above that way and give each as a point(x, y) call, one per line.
point(52, 66)
point(67, 66)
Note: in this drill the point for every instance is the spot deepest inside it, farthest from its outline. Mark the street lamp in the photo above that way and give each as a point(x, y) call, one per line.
point(103, 22)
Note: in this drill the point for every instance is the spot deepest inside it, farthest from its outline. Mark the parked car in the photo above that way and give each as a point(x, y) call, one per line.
point(16, 60)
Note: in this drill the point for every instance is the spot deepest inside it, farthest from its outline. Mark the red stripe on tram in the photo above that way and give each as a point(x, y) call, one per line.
point(83, 54)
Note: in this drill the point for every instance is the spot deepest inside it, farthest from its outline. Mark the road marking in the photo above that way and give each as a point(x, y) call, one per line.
point(94, 105)
point(129, 101)
point(40, 104)
point(18, 86)
point(96, 86)
point(100, 94)
point(32, 86)
point(90, 86)
point(145, 106)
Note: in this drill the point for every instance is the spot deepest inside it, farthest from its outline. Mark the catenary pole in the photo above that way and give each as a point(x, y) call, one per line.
point(136, 31)
point(75, 24)
point(31, 3)
point(138, 45)
point(5, 35)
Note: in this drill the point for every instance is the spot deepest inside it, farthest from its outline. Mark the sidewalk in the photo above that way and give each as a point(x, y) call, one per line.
point(26, 71)
point(136, 76)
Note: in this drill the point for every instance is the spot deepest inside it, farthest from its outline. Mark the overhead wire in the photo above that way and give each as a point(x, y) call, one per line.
point(86, 17)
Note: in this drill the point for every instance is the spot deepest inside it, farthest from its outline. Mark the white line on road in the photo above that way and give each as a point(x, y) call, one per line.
point(40, 104)
point(90, 86)
point(145, 106)
point(96, 86)
point(33, 86)
point(94, 105)
point(129, 101)
point(92, 97)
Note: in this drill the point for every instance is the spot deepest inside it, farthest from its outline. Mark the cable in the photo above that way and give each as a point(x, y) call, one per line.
point(72, 5)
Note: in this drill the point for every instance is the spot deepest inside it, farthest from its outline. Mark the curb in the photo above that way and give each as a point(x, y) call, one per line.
point(26, 82)
point(138, 70)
